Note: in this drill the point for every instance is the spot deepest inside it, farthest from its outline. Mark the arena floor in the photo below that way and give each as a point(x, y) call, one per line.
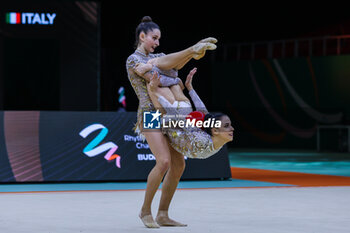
point(258, 198)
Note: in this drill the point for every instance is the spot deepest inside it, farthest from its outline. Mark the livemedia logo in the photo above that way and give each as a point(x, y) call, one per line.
point(30, 18)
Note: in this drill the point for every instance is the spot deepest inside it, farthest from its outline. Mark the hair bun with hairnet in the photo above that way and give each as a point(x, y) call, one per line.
point(146, 19)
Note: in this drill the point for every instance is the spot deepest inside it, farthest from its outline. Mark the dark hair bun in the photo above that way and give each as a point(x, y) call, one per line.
point(146, 19)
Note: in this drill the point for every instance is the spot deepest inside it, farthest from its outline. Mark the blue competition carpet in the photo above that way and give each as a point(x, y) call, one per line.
point(323, 163)
point(232, 183)
point(334, 164)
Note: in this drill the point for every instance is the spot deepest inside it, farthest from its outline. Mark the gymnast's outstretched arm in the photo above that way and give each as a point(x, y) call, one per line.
point(198, 103)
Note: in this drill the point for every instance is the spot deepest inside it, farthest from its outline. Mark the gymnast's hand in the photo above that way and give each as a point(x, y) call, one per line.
point(141, 68)
point(154, 82)
point(188, 82)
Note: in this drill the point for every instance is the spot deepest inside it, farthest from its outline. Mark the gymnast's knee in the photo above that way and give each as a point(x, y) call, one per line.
point(163, 164)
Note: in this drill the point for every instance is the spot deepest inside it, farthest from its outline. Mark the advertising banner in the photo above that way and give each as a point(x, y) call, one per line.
point(50, 146)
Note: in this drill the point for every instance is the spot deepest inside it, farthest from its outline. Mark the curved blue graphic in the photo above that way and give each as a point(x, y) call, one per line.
point(92, 149)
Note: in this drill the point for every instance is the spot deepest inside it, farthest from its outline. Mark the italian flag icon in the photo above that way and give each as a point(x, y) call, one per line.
point(13, 18)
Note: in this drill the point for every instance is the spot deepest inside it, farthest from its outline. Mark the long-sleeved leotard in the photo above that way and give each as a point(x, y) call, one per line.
point(190, 141)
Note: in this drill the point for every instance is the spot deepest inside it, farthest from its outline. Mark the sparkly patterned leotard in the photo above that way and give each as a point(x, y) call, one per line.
point(139, 84)
point(192, 142)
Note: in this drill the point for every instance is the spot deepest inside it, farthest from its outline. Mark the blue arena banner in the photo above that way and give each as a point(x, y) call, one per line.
point(54, 146)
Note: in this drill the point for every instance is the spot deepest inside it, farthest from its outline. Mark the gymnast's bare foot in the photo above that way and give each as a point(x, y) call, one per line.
point(148, 221)
point(163, 220)
point(209, 40)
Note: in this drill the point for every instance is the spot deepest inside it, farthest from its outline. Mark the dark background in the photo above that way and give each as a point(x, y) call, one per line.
point(86, 62)
point(50, 67)
point(182, 25)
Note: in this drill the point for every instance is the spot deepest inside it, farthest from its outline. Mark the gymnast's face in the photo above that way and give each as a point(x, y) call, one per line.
point(225, 132)
point(150, 40)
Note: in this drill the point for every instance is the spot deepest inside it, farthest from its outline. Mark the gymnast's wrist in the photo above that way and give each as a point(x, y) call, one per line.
point(190, 89)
